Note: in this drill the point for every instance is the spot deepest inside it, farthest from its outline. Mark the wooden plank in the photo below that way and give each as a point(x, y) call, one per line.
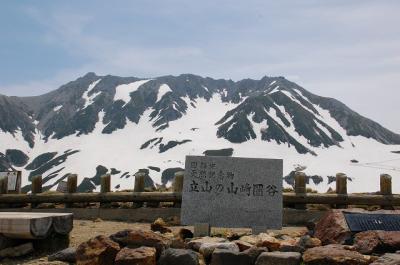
point(309, 198)
point(290, 216)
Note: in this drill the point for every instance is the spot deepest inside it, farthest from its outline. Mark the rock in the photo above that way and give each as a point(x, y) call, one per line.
point(225, 256)
point(332, 228)
point(265, 240)
point(388, 259)
point(366, 242)
point(207, 249)
point(309, 242)
point(291, 246)
point(139, 238)
point(178, 242)
point(232, 236)
point(369, 242)
point(160, 226)
point(17, 251)
point(137, 256)
point(254, 252)
point(97, 251)
point(179, 257)
point(242, 245)
point(279, 258)
point(195, 244)
point(252, 239)
point(334, 255)
point(390, 240)
point(185, 233)
point(66, 255)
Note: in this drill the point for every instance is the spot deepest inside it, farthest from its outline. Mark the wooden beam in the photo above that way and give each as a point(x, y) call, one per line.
point(309, 198)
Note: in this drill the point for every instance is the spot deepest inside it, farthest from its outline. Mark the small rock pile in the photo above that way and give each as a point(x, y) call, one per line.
point(324, 245)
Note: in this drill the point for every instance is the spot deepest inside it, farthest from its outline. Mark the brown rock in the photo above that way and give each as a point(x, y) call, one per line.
point(334, 255)
point(291, 245)
point(390, 240)
point(139, 238)
point(366, 242)
point(377, 241)
point(160, 226)
point(265, 240)
point(332, 228)
point(309, 242)
point(242, 245)
point(252, 239)
point(97, 251)
point(136, 256)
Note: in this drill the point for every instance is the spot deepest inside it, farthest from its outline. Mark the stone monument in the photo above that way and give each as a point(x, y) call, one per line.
point(232, 192)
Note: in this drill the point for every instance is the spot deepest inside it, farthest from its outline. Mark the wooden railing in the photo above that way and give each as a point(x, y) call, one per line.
point(299, 198)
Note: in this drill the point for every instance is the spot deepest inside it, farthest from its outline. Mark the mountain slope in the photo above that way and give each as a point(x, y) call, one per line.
point(99, 124)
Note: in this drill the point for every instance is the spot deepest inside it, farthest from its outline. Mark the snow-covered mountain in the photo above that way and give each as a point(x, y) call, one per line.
point(99, 124)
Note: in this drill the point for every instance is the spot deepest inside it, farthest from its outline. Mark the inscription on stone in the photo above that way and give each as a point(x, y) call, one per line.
point(232, 192)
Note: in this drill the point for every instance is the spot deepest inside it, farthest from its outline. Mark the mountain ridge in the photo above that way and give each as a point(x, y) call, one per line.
point(163, 113)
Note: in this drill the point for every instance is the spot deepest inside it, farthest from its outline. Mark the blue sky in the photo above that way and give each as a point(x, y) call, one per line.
point(349, 50)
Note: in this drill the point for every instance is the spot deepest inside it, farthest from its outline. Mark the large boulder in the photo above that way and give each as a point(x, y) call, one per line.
point(137, 256)
point(369, 242)
point(332, 228)
point(100, 250)
point(139, 238)
point(279, 258)
point(179, 257)
point(334, 255)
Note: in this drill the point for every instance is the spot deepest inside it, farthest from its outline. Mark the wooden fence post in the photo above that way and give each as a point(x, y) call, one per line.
point(105, 186)
point(72, 186)
point(139, 187)
point(105, 183)
point(300, 187)
point(341, 187)
point(386, 188)
point(72, 183)
point(36, 187)
point(178, 185)
point(4, 185)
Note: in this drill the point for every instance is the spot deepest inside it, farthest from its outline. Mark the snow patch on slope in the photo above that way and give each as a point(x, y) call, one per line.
point(89, 99)
point(164, 89)
point(123, 92)
point(57, 108)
